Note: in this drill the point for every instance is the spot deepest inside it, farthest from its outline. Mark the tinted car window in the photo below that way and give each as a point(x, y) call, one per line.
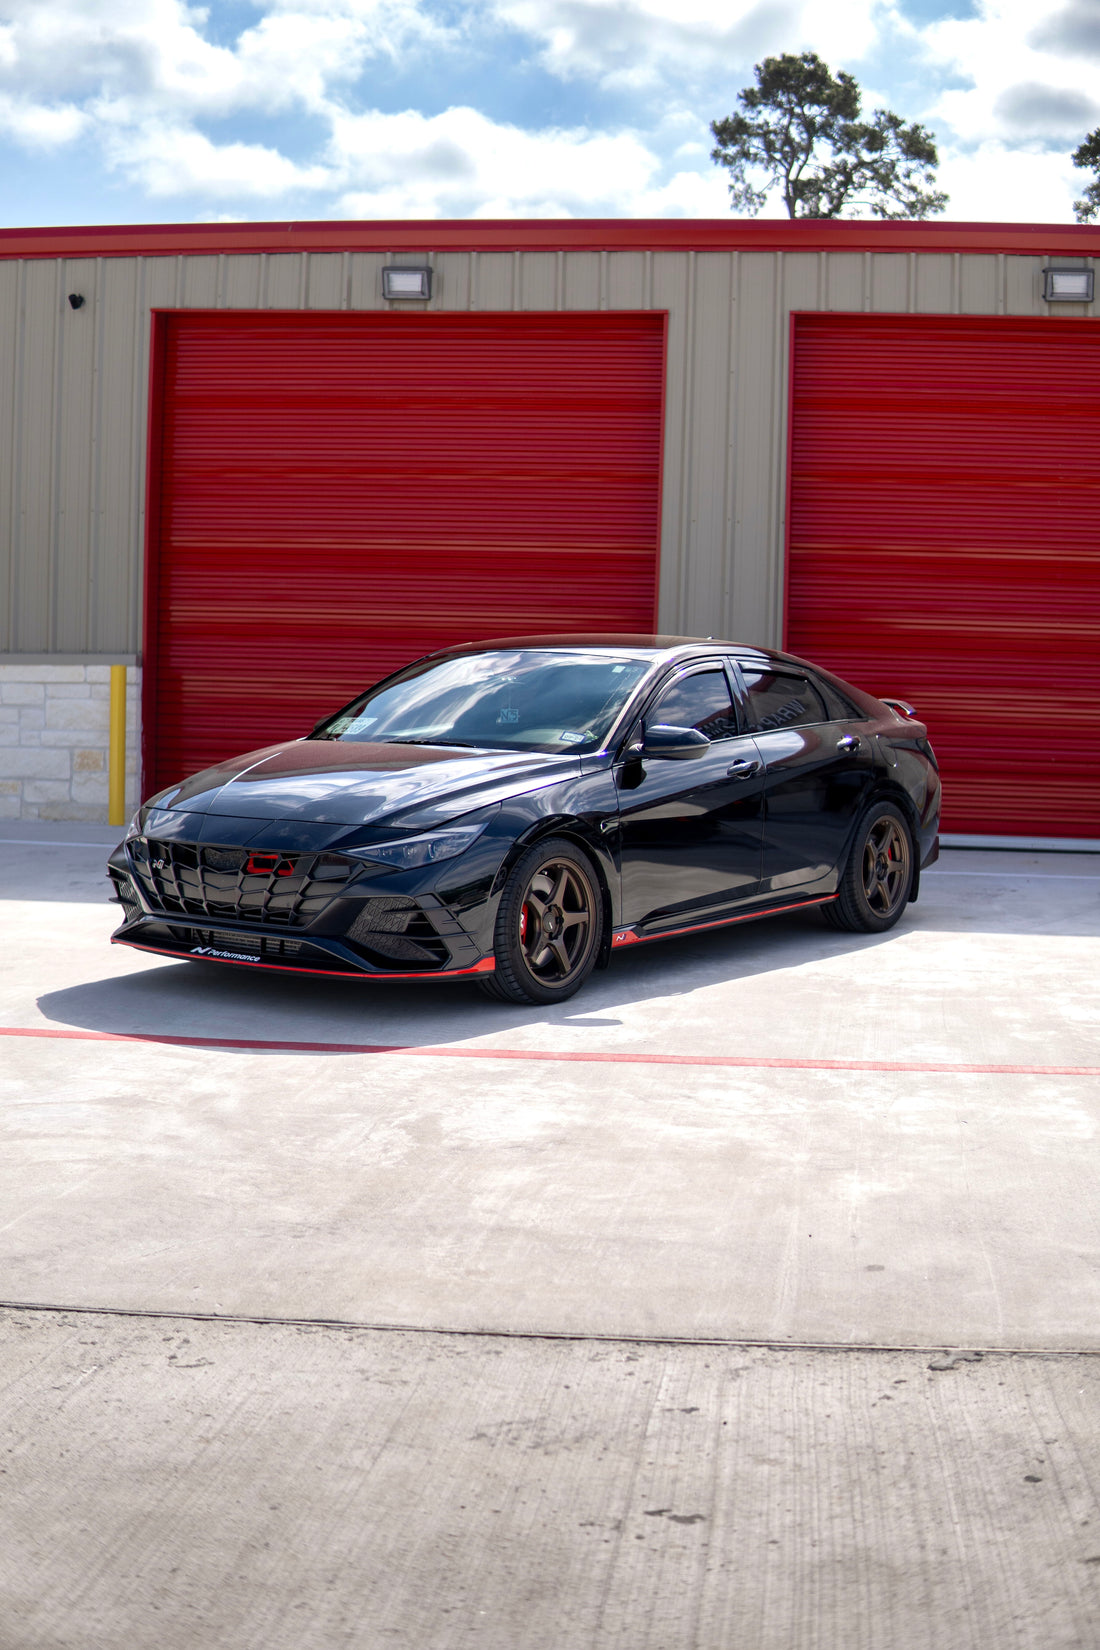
point(526, 699)
point(701, 701)
point(781, 699)
point(839, 708)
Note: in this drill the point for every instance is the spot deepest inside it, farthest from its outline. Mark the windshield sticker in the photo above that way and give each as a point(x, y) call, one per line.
point(572, 738)
point(508, 715)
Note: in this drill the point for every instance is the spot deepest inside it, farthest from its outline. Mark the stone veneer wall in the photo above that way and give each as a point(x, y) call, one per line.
point(54, 735)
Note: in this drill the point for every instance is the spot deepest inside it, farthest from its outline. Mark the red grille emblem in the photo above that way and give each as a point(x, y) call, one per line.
point(266, 865)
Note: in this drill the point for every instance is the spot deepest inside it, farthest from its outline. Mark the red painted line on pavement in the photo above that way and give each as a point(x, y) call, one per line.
point(576, 1056)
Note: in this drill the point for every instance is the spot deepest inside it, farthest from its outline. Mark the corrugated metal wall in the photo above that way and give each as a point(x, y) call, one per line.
point(344, 492)
point(944, 546)
point(73, 394)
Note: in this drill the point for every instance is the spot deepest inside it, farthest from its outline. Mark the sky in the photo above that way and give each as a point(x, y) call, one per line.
point(141, 111)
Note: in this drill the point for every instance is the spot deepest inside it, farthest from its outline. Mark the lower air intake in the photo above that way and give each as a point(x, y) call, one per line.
point(127, 898)
point(396, 930)
point(249, 945)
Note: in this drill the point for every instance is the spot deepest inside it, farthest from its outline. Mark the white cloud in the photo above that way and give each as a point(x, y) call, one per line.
point(142, 78)
point(639, 43)
point(40, 125)
point(996, 183)
point(83, 48)
point(177, 160)
point(1029, 78)
point(154, 52)
point(310, 48)
point(462, 163)
point(687, 195)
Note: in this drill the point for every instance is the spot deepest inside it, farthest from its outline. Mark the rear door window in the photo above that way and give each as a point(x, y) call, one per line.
point(840, 708)
point(781, 699)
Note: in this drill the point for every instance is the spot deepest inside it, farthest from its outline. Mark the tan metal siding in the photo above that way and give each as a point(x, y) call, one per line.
point(74, 386)
point(73, 572)
point(10, 357)
point(705, 460)
point(582, 281)
point(669, 287)
point(35, 449)
point(756, 545)
point(117, 504)
point(934, 284)
point(890, 282)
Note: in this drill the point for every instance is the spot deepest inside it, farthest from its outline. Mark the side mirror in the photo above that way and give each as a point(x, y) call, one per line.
point(680, 743)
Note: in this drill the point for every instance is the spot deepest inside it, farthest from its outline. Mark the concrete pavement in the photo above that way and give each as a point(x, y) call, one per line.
point(776, 1135)
point(171, 1485)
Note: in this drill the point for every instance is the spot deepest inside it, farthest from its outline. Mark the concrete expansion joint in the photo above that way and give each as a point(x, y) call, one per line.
point(945, 1358)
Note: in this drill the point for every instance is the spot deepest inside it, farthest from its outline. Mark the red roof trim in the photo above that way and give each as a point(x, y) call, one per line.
point(551, 234)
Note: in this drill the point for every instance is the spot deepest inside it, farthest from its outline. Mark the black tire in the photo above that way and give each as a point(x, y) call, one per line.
point(549, 926)
point(878, 878)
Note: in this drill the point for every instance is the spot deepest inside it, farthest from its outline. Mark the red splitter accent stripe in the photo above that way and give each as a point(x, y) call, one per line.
point(575, 1057)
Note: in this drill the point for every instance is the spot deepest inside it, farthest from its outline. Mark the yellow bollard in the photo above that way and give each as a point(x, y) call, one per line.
point(116, 759)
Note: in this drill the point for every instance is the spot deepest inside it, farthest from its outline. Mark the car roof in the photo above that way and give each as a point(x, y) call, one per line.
point(653, 645)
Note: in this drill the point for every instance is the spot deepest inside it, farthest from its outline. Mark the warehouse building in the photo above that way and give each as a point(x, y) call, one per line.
point(261, 465)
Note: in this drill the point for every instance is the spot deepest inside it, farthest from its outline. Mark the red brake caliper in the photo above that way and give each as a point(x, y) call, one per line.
point(523, 924)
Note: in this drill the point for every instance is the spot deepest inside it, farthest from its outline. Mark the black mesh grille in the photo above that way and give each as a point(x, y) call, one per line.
point(397, 930)
point(228, 939)
point(288, 890)
point(127, 898)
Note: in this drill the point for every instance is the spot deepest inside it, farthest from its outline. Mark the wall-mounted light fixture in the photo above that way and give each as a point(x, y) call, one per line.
point(1068, 286)
point(76, 300)
point(399, 281)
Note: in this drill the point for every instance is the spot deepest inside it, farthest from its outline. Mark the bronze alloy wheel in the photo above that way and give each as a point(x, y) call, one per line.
point(875, 885)
point(548, 926)
point(886, 859)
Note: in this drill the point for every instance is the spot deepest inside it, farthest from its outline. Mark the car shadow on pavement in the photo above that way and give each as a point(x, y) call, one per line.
point(196, 1000)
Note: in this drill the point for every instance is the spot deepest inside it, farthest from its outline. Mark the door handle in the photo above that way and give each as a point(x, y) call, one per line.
point(850, 742)
point(743, 768)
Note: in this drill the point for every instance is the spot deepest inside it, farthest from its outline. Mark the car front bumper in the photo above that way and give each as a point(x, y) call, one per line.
point(292, 912)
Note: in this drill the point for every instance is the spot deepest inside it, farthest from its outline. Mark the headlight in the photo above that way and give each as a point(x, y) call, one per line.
point(421, 850)
point(134, 827)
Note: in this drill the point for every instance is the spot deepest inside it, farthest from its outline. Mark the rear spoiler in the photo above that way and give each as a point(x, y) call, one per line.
point(903, 708)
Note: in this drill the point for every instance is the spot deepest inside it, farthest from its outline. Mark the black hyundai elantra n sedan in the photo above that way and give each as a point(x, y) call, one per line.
point(515, 812)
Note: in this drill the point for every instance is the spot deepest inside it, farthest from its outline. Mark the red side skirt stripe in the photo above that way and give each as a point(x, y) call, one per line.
point(631, 936)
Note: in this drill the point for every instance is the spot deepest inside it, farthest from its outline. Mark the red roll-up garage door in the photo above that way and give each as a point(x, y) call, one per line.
point(945, 546)
point(335, 495)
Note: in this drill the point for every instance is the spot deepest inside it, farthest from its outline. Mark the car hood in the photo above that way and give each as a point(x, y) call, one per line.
point(343, 784)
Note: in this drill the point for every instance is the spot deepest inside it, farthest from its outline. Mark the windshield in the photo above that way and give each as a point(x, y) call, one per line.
point(524, 700)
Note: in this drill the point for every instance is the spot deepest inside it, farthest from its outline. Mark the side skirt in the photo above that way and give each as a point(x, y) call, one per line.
point(631, 936)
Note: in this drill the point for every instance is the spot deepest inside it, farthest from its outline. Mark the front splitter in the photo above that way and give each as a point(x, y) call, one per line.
point(487, 965)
